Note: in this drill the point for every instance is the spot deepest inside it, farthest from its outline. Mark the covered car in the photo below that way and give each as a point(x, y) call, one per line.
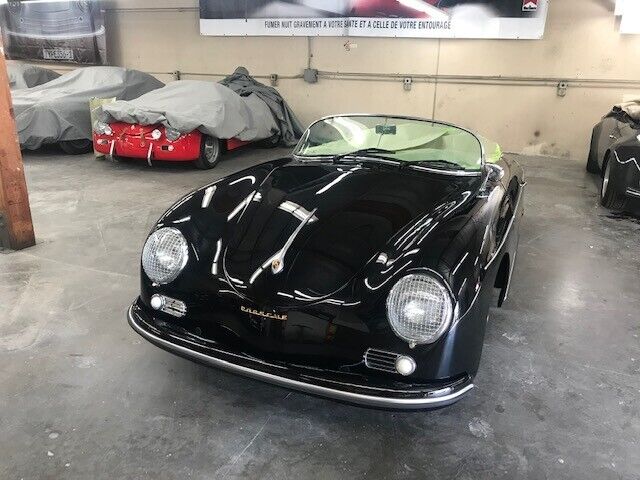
point(361, 267)
point(615, 155)
point(57, 112)
point(196, 121)
point(23, 75)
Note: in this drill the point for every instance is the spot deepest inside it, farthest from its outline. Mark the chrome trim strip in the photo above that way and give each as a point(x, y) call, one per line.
point(633, 192)
point(457, 173)
point(508, 231)
point(370, 400)
point(631, 160)
point(283, 252)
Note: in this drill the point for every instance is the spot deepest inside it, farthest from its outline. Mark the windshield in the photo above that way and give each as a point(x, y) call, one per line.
point(404, 140)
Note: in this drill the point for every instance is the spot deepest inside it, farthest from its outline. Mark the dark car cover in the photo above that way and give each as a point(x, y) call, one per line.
point(243, 84)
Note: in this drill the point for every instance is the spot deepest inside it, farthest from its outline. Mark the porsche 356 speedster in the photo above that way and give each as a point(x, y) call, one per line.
point(362, 267)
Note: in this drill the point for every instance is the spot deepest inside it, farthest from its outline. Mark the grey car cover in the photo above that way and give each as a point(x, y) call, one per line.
point(243, 84)
point(59, 110)
point(23, 75)
point(187, 105)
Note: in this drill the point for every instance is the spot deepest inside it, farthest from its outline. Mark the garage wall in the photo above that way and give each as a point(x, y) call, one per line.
point(523, 111)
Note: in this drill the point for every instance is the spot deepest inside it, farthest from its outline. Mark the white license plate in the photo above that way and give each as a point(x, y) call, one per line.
point(57, 53)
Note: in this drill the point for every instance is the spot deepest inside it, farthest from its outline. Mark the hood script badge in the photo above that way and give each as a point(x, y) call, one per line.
point(260, 313)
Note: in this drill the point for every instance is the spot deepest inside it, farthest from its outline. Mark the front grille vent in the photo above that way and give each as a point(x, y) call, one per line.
point(381, 360)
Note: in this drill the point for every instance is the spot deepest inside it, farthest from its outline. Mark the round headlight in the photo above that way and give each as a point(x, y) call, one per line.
point(156, 134)
point(165, 255)
point(172, 134)
point(419, 308)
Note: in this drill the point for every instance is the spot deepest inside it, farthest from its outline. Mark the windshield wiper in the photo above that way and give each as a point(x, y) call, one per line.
point(366, 152)
point(440, 164)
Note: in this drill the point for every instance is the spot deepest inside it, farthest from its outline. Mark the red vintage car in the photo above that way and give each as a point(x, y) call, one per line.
point(158, 143)
point(195, 121)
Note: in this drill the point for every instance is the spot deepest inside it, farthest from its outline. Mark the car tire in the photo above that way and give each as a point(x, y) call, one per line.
point(609, 196)
point(76, 147)
point(592, 159)
point(210, 153)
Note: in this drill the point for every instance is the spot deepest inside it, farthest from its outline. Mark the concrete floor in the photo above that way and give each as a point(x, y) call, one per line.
point(82, 396)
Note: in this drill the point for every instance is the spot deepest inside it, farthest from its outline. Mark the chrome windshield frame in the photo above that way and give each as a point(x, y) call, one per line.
point(483, 158)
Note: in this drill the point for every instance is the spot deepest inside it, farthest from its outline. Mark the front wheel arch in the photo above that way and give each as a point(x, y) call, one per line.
point(610, 196)
point(503, 278)
point(592, 158)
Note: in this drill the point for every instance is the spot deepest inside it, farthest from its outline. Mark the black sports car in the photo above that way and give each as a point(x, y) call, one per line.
point(362, 267)
point(615, 154)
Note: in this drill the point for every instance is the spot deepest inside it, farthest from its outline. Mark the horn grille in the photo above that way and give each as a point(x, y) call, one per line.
point(381, 360)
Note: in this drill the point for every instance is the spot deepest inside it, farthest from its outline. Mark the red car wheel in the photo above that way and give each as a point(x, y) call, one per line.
point(210, 153)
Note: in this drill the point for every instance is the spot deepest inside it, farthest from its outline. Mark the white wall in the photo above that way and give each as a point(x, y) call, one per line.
point(581, 42)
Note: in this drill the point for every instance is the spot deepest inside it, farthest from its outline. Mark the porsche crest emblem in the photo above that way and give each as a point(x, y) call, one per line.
point(276, 264)
point(260, 313)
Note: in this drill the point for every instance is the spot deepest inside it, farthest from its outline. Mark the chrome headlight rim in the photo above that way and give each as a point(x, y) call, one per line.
point(172, 134)
point(184, 259)
point(102, 128)
point(447, 292)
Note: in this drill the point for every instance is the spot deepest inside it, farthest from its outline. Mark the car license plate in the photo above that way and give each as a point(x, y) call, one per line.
point(57, 53)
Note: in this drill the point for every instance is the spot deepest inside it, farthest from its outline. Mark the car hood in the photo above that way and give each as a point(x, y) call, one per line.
point(308, 229)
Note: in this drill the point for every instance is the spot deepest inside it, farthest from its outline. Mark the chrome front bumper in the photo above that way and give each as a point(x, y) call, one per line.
point(423, 400)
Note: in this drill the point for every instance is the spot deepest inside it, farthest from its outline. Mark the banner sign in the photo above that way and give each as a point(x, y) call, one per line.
point(630, 11)
point(508, 19)
point(65, 31)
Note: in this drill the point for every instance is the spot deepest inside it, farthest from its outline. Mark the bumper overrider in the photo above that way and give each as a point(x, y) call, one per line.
point(409, 396)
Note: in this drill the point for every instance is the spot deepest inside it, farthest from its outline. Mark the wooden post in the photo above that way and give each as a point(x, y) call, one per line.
point(14, 199)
